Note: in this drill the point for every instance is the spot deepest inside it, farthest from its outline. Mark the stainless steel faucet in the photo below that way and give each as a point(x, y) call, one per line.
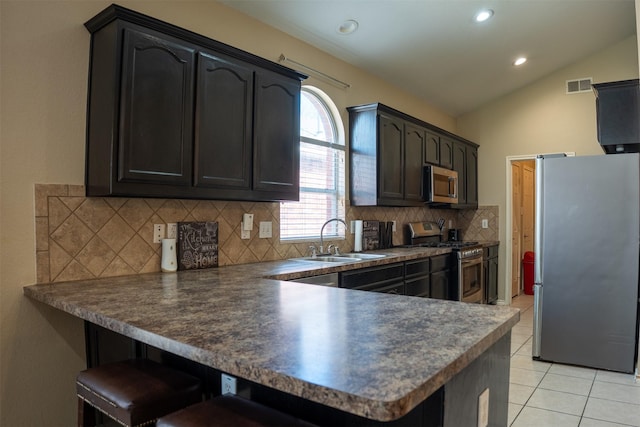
point(322, 231)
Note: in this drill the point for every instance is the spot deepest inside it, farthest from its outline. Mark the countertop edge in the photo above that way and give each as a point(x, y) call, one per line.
point(375, 409)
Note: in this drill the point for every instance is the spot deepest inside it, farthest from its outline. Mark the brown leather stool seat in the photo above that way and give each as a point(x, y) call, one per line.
point(134, 392)
point(230, 411)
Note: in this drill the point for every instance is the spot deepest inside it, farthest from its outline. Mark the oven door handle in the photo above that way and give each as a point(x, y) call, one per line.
point(471, 261)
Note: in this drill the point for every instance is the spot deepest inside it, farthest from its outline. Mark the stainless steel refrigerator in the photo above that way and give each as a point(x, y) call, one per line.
point(586, 260)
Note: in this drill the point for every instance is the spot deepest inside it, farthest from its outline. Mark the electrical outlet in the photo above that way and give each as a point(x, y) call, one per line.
point(172, 230)
point(244, 234)
point(485, 223)
point(265, 230)
point(393, 227)
point(483, 408)
point(158, 233)
point(228, 384)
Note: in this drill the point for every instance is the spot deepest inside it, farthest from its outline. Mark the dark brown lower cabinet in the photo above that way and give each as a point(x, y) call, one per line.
point(440, 276)
point(417, 280)
point(424, 277)
point(490, 266)
point(385, 278)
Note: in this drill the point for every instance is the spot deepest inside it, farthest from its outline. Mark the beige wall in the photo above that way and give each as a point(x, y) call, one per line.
point(43, 79)
point(541, 118)
point(44, 48)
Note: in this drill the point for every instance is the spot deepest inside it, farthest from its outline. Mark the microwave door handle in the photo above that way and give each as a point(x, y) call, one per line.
point(453, 184)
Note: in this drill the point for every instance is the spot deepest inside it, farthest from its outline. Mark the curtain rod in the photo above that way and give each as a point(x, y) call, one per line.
point(315, 72)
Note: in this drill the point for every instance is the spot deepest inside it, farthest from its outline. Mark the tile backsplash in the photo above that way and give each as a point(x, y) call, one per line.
point(80, 237)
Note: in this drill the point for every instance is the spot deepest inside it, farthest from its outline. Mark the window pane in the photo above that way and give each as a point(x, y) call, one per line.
point(321, 174)
point(315, 120)
point(317, 167)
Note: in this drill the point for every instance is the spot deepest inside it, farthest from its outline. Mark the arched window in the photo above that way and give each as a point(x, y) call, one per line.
point(322, 166)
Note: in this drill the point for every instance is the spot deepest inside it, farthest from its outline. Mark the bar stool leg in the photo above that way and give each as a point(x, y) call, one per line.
point(86, 414)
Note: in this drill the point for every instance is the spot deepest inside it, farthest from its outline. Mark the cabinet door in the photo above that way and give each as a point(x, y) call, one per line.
point(390, 161)
point(156, 110)
point(276, 149)
point(440, 285)
point(432, 149)
point(446, 153)
point(492, 285)
point(460, 165)
point(224, 118)
point(370, 278)
point(485, 269)
point(414, 143)
point(472, 176)
point(417, 287)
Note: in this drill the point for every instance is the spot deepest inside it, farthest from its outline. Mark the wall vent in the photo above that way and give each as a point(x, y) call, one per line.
point(579, 85)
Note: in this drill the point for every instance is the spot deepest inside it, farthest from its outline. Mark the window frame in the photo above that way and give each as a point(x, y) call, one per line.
point(333, 231)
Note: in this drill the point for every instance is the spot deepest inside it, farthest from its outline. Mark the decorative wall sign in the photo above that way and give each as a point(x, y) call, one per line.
point(197, 245)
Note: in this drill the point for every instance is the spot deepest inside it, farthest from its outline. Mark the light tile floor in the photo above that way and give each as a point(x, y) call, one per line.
point(553, 395)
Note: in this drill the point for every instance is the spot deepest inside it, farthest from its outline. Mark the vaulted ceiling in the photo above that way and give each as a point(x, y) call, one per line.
point(435, 49)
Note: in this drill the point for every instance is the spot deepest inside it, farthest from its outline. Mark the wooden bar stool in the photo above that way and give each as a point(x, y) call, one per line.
point(230, 411)
point(134, 392)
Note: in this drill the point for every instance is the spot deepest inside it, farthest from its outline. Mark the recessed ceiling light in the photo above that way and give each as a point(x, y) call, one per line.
point(483, 15)
point(348, 27)
point(520, 61)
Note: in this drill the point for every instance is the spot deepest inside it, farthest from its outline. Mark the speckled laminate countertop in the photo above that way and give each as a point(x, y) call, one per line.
point(370, 354)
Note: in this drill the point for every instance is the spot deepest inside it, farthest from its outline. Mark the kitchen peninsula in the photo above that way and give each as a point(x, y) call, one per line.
point(373, 357)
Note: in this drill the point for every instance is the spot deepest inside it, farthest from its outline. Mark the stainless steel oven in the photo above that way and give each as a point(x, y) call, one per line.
point(467, 275)
point(470, 274)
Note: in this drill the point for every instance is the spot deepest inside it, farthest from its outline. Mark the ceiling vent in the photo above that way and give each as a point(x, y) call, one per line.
point(579, 85)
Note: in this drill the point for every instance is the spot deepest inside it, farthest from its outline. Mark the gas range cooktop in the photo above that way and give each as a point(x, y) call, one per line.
point(429, 235)
point(452, 245)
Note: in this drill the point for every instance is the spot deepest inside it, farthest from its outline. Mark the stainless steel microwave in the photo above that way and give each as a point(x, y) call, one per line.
point(440, 185)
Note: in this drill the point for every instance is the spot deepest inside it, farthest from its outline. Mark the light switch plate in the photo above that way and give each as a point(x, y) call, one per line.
point(485, 223)
point(265, 230)
point(247, 222)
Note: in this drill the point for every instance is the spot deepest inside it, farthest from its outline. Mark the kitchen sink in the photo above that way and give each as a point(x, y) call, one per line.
point(361, 256)
point(341, 259)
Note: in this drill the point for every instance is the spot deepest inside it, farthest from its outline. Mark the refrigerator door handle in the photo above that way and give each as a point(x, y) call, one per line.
point(537, 320)
point(537, 241)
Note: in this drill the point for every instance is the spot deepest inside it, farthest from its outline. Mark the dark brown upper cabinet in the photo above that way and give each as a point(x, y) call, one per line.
point(465, 162)
point(388, 152)
point(414, 143)
point(223, 123)
point(277, 126)
point(390, 164)
point(438, 150)
point(174, 114)
point(386, 158)
point(156, 109)
point(432, 149)
point(446, 153)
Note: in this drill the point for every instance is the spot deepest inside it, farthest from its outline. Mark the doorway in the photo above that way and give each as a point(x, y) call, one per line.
point(523, 217)
point(520, 218)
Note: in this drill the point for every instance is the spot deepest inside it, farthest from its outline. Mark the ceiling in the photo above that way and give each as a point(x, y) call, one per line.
point(434, 49)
